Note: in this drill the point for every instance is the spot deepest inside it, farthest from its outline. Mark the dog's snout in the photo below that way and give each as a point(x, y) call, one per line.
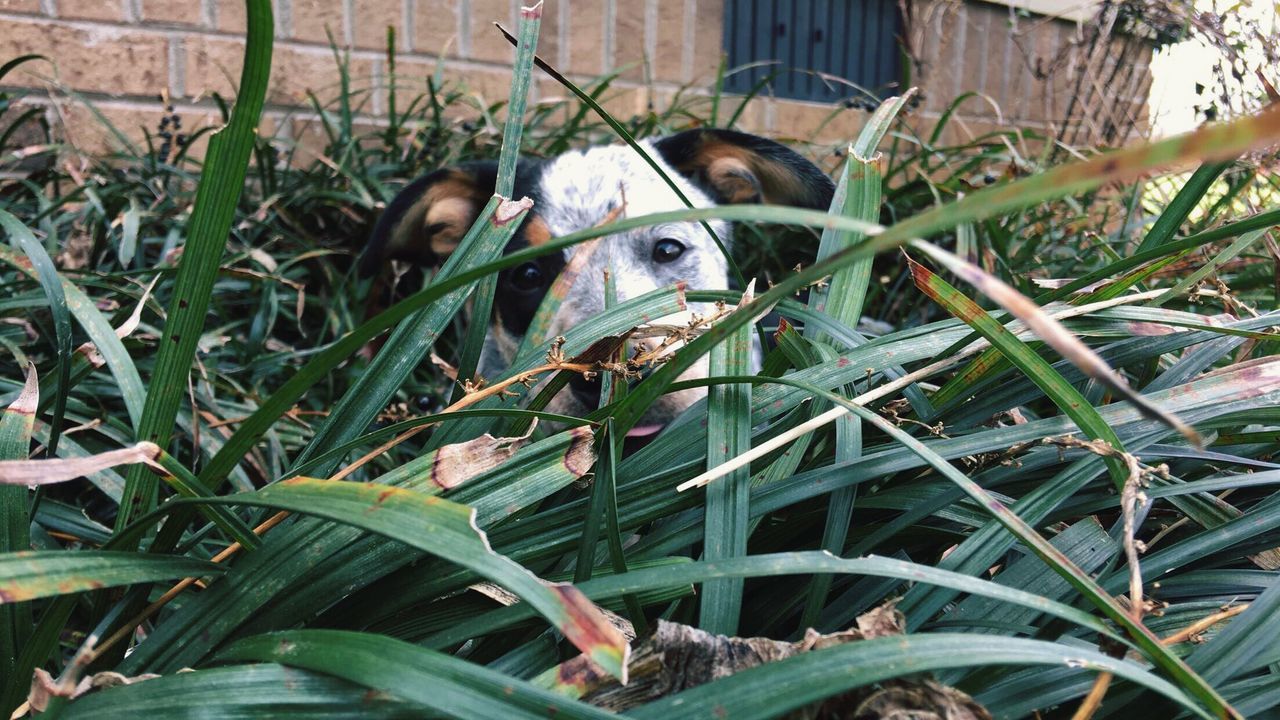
point(587, 391)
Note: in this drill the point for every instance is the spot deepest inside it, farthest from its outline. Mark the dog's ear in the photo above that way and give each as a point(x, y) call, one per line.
point(427, 220)
point(737, 168)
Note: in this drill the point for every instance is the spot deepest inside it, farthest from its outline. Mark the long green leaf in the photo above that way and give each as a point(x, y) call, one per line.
point(215, 204)
point(1182, 204)
point(101, 334)
point(51, 283)
point(772, 689)
point(248, 691)
point(776, 565)
point(431, 679)
point(16, 424)
point(521, 74)
point(447, 529)
point(1062, 393)
point(47, 573)
point(728, 510)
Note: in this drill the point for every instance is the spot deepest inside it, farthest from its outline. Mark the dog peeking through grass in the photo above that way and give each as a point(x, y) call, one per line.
point(583, 189)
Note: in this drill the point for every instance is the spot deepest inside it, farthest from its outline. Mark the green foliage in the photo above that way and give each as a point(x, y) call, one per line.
point(887, 432)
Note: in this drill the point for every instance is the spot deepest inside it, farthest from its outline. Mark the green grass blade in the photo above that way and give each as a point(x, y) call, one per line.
point(727, 511)
point(16, 424)
point(1229, 253)
point(249, 691)
point(777, 565)
point(48, 573)
point(774, 688)
point(187, 485)
point(440, 682)
point(1062, 393)
point(104, 338)
point(51, 283)
point(1179, 209)
point(215, 204)
point(859, 196)
point(521, 75)
point(447, 529)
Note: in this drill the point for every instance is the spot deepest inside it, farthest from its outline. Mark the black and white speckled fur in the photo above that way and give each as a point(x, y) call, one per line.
point(581, 189)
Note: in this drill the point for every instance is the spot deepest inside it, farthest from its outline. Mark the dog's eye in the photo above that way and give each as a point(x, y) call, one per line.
point(667, 250)
point(527, 277)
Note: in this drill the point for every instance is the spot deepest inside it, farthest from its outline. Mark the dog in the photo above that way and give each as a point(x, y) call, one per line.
point(582, 189)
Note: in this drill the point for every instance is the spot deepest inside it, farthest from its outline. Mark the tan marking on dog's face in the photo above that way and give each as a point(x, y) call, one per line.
point(724, 165)
point(536, 231)
point(734, 180)
point(434, 226)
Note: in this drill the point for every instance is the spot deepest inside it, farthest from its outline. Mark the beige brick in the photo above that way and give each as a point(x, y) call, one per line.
point(108, 60)
point(625, 103)
point(754, 117)
point(586, 39)
point(179, 12)
point(491, 86)
point(435, 27)
point(213, 65)
point(308, 140)
point(977, 55)
point(20, 6)
point(808, 122)
point(553, 95)
point(486, 42)
point(91, 9)
point(549, 34)
point(371, 19)
point(229, 16)
point(629, 40)
point(708, 40)
point(315, 20)
point(942, 79)
point(668, 55)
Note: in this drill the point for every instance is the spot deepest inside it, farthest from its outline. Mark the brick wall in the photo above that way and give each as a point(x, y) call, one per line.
point(128, 56)
point(1025, 71)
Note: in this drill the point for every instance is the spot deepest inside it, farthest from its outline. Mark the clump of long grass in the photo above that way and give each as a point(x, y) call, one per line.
point(1063, 480)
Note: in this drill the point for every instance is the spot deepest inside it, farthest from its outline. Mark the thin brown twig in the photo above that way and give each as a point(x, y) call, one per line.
point(1203, 624)
point(1130, 497)
point(1093, 700)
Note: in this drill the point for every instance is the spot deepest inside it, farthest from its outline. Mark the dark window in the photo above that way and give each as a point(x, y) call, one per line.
point(856, 40)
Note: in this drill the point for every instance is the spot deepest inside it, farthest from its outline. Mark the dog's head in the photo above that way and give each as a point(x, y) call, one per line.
point(583, 189)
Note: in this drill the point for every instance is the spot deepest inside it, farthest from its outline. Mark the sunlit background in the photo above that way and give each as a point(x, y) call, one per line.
point(1179, 69)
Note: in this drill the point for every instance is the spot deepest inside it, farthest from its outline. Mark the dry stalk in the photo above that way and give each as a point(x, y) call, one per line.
point(1130, 498)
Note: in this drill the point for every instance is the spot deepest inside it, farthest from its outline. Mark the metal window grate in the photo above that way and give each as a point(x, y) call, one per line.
point(856, 40)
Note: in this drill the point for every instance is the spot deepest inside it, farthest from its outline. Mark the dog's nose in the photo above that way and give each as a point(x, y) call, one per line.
point(586, 391)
